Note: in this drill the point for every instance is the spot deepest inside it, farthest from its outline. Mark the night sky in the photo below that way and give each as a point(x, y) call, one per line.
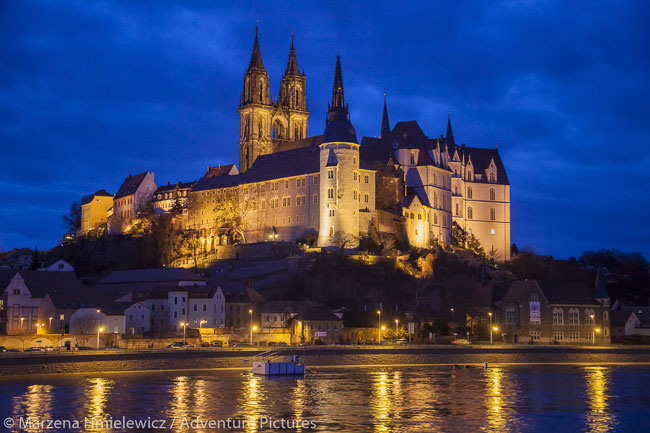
point(91, 92)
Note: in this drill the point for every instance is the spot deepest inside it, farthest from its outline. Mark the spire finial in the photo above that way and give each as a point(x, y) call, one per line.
point(450, 133)
point(256, 57)
point(385, 124)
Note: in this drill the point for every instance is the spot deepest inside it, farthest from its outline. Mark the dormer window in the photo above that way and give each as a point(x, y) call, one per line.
point(412, 158)
point(493, 177)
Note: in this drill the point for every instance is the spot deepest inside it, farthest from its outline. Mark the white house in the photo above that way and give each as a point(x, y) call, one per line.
point(59, 266)
point(138, 318)
point(198, 307)
point(91, 320)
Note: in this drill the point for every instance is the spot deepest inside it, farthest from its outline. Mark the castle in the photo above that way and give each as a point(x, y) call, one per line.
point(333, 186)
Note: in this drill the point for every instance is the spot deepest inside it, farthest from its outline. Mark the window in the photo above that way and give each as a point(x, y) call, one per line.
point(330, 174)
point(366, 198)
point(574, 336)
point(196, 307)
point(366, 178)
point(286, 184)
point(606, 332)
point(419, 216)
point(558, 336)
point(534, 298)
point(510, 316)
point(298, 183)
point(574, 316)
point(315, 180)
point(205, 307)
point(605, 315)
point(589, 316)
point(493, 194)
point(589, 336)
point(412, 158)
point(492, 231)
point(470, 213)
point(558, 316)
point(175, 300)
point(469, 192)
point(330, 193)
point(534, 335)
point(457, 209)
point(493, 177)
point(493, 214)
point(315, 198)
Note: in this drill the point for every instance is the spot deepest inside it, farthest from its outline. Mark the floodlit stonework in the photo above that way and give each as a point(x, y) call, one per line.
point(331, 188)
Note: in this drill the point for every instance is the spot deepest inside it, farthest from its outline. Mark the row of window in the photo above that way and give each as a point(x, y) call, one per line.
point(470, 193)
point(574, 316)
point(168, 195)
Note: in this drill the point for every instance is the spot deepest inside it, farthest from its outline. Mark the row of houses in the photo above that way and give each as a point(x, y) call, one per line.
point(151, 302)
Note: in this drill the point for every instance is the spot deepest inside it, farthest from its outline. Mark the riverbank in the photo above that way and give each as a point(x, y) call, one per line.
point(205, 359)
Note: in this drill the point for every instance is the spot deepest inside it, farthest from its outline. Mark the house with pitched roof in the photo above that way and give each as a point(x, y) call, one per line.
point(171, 198)
point(134, 195)
point(553, 312)
point(95, 211)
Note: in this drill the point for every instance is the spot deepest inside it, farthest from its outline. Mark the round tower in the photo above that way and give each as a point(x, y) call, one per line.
point(339, 185)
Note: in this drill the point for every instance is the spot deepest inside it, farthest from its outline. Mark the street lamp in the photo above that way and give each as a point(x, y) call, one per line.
point(490, 314)
point(396, 331)
point(453, 315)
point(99, 330)
point(254, 328)
point(49, 328)
point(251, 313)
point(22, 319)
point(495, 329)
point(184, 325)
point(379, 326)
point(202, 322)
point(593, 336)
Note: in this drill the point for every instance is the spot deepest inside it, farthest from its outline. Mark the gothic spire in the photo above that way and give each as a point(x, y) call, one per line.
point(337, 91)
point(256, 57)
point(385, 124)
point(450, 133)
point(292, 64)
point(338, 102)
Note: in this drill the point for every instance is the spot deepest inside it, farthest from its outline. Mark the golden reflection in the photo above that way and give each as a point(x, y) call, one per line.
point(252, 409)
point(496, 416)
point(180, 404)
point(385, 399)
point(600, 418)
point(35, 404)
point(97, 392)
point(299, 403)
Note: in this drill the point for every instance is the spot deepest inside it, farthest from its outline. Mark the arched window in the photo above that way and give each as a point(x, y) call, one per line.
point(558, 316)
point(419, 216)
point(493, 194)
point(493, 177)
point(412, 158)
point(606, 332)
point(435, 218)
point(589, 317)
point(605, 315)
point(470, 213)
point(261, 90)
point(574, 316)
point(493, 214)
point(435, 199)
point(469, 192)
point(412, 215)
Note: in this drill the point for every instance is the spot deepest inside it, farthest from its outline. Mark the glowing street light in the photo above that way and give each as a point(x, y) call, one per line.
point(49, 328)
point(396, 322)
point(593, 336)
point(254, 328)
point(22, 319)
point(379, 326)
point(99, 331)
point(251, 326)
point(495, 329)
point(202, 322)
point(490, 314)
point(453, 315)
point(184, 325)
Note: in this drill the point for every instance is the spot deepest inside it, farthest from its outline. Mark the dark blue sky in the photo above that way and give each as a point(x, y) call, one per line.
point(90, 92)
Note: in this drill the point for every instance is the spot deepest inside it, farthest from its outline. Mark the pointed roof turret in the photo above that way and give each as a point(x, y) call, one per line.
point(338, 101)
point(385, 124)
point(292, 64)
point(337, 91)
point(256, 57)
point(450, 133)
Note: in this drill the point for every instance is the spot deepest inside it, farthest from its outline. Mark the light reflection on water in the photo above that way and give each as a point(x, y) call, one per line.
point(386, 399)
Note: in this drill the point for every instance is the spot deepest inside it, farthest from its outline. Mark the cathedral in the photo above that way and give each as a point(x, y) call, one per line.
point(336, 187)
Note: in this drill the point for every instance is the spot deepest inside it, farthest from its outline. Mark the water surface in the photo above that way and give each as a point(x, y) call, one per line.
point(379, 399)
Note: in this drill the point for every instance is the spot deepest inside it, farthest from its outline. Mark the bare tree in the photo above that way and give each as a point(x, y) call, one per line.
point(86, 324)
point(71, 221)
point(191, 244)
point(232, 214)
point(344, 241)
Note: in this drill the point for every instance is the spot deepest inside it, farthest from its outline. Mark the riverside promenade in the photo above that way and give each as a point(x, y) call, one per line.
point(66, 362)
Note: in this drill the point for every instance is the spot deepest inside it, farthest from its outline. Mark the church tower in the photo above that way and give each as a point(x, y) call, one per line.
point(339, 175)
point(255, 112)
point(338, 102)
point(290, 120)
